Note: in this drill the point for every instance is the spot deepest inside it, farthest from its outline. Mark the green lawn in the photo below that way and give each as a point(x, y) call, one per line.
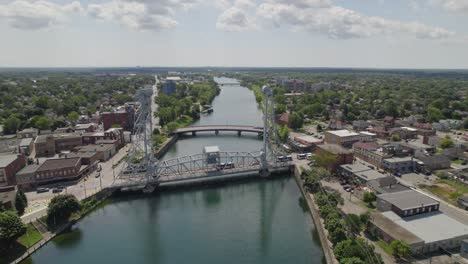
point(31, 237)
point(447, 189)
point(385, 246)
point(457, 161)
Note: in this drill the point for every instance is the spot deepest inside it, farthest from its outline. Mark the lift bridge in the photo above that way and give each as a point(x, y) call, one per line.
point(142, 170)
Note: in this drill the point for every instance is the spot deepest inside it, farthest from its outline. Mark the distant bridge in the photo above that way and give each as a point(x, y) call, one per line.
point(217, 128)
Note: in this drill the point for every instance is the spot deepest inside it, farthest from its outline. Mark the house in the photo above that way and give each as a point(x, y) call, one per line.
point(343, 138)
point(380, 131)
point(86, 128)
point(67, 141)
point(27, 133)
point(389, 121)
point(10, 164)
point(404, 132)
point(436, 162)
point(336, 124)
point(64, 130)
point(344, 156)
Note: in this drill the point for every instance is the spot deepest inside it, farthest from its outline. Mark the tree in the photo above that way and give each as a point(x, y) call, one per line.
point(21, 202)
point(171, 127)
point(11, 125)
point(73, 117)
point(396, 138)
point(295, 121)
point(354, 223)
point(60, 208)
point(434, 114)
point(400, 249)
point(283, 133)
point(369, 197)
point(447, 142)
point(352, 260)
point(43, 123)
point(325, 160)
point(11, 227)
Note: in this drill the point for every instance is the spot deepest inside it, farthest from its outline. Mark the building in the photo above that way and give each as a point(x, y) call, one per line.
point(169, 87)
point(57, 170)
point(343, 155)
point(26, 177)
point(371, 153)
point(388, 184)
point(367, 136)
point(360, 125)
point(104, 151)
point(7, 198)
point(438, 231)
point(350, 170)
point(343, 138)
point(305, 143)
point(406, 203)
point(404, 132)
point(64, 130)
point(86, 128)
point(44, 146)
point(464, 249)
point(282, 119)
point(336, 124)
point(399, 164)
point(25, 146)
point(67, 141)
point(10, 164)
point(436, 162)
point(90, 158)
point(122, 118)
point(28, 133)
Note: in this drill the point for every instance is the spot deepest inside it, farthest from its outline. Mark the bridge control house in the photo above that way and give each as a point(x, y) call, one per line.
point(212, 154)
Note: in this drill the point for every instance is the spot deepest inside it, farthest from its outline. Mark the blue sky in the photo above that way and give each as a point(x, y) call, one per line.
point(271, 33)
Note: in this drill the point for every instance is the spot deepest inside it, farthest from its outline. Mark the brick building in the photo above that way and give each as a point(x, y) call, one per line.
point(343, 138)
point(122, 118)
point(55, 170)
point(10, 164)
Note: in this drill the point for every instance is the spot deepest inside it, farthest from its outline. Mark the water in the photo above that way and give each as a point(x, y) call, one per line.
point(260, 221)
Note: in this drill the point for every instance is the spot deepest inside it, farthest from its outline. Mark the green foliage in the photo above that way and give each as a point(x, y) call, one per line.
point(295, 120)
point(73, 117)
point(369, 197)
point(400, 249)
point(325, 160)
point(60, 208)
point(43, 123)
point(447, 143)
point(11, 227)
point(434, 114)
point(396, 138)
point(352, 260)
point(11, 125)
point(356, 248)
point(283, 133)
point(21, 202)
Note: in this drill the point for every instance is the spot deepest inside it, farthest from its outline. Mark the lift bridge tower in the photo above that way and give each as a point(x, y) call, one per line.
point(140, 164)
point(271, 143)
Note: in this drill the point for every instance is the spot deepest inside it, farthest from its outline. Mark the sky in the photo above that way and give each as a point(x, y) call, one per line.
point(229, 33)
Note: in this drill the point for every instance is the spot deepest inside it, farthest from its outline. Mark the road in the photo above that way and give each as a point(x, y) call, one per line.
point(85, 187)
point(154, 106)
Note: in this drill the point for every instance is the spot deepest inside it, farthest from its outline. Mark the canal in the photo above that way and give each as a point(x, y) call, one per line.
point(259, 221)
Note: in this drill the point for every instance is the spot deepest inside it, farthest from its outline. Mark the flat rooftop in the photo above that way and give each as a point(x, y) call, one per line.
point(396, 230)
point(211, 149)
point(310, 139)
point(54, 164)
point(430, 227)
point(399, 159)
point(354, 168)
point(370, 175)
point(343, 133)
point(335, 149)
point(408, 199)
point(5, 160)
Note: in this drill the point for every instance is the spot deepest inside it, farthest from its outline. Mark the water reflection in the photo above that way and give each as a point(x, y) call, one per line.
point(68, 239)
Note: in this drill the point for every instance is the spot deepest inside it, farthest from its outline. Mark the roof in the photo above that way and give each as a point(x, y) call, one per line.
point(54, 164)
point(97, 148)
point(369, 175)
point(42, 138)
point(29, 130)
point(25, 142)
point(367, 133)
point(29, 169)
point(84, 126)
point(408, 199)
point(173, 78)
point(343, 133)
point(335, 149)
point(399, 159)
point(396, 231)
point(366, 145)
point(6, 160)
point(387, 184)
point(87, 154)
point(434, 159)
point(309, 139)
point(427, 226)
point(211, 149)
point(356, 167)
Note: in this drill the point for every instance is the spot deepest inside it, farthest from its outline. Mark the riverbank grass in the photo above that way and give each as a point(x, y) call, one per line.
point(31, 237)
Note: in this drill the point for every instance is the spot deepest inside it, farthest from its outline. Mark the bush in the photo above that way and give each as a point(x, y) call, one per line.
point(11, 227)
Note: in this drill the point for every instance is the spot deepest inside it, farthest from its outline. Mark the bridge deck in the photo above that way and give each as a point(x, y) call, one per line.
point(232, 128)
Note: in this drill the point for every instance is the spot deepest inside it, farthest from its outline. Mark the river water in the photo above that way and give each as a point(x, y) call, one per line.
point(260, 221)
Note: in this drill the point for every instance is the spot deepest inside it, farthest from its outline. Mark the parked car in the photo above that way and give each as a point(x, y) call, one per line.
point(301, 156)
point(57, 190)
point(42, 190)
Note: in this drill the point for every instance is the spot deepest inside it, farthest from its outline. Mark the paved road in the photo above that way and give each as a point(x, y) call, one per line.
point(154, 106)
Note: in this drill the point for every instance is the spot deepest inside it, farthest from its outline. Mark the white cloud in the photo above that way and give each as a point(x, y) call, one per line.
point(140, 14)
point(31, 15)
point(453, 5)
point(234, 19)
point(342, 23)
